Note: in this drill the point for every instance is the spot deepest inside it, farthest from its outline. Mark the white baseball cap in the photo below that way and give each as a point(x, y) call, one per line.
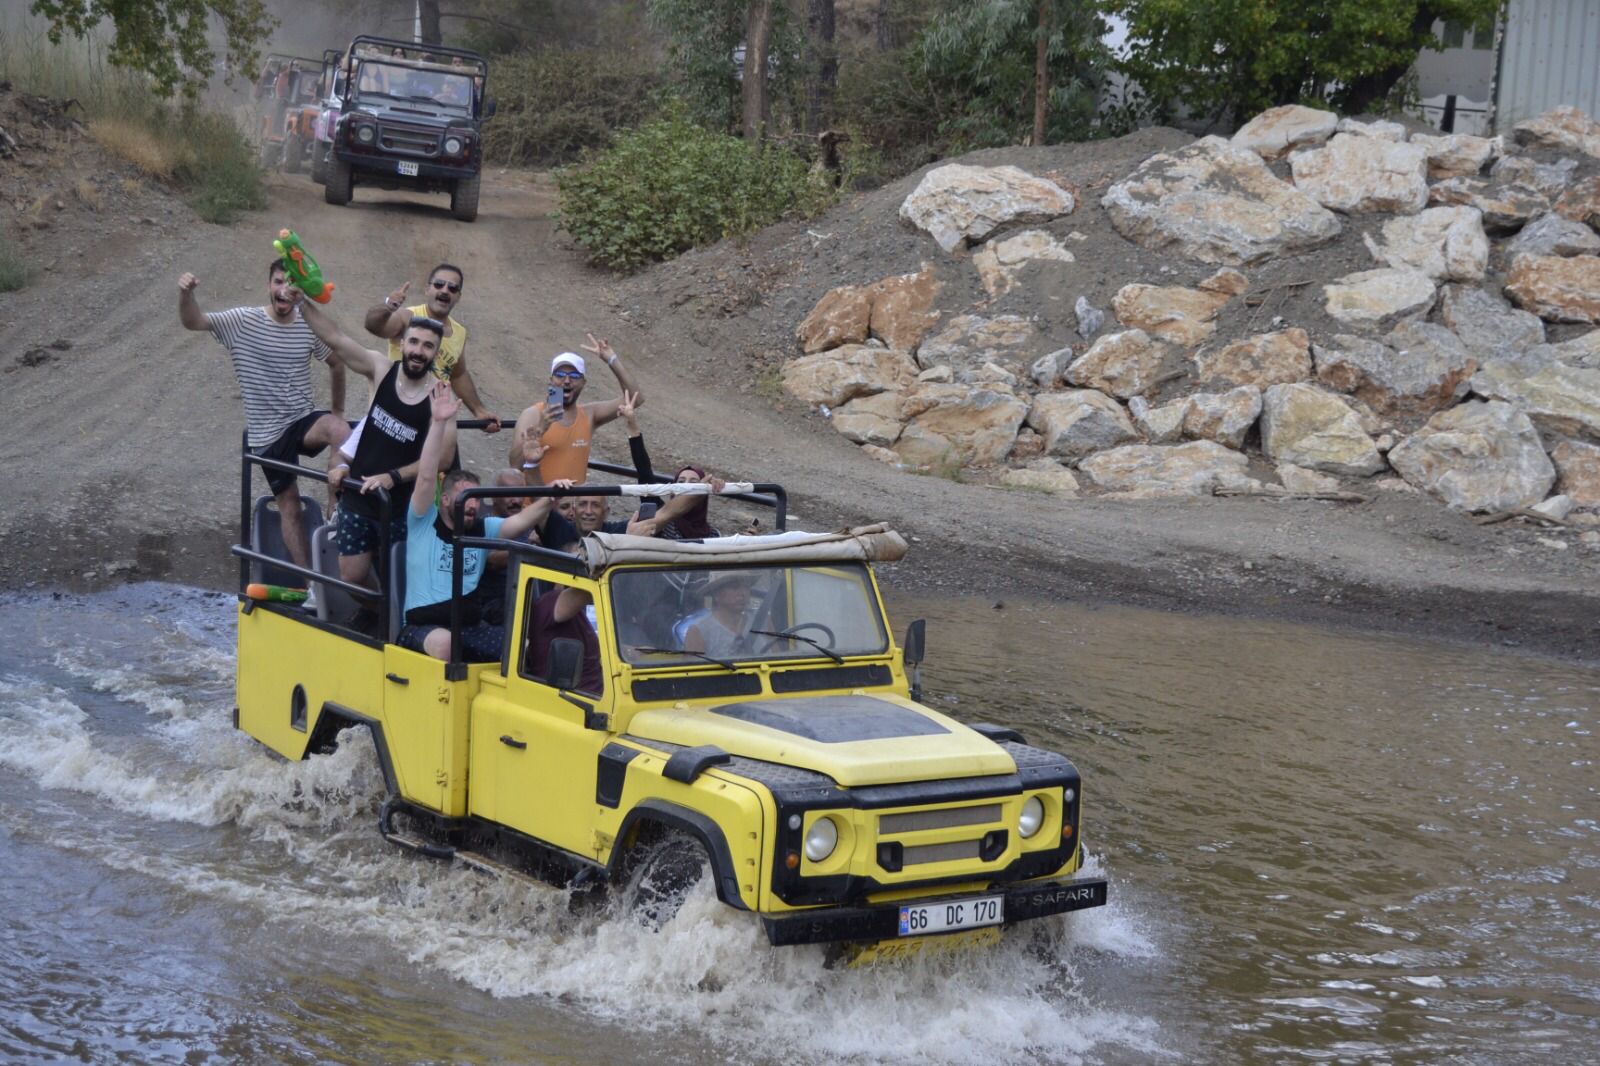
point(571, 359)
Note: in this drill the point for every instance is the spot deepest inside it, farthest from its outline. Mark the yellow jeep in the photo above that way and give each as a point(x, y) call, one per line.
point(786, 756)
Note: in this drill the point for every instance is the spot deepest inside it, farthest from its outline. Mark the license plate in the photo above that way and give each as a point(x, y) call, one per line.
point(924, 918)
point(408, 169)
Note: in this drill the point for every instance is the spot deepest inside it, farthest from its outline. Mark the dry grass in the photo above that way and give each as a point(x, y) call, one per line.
point(134, 142)
point(88, 194)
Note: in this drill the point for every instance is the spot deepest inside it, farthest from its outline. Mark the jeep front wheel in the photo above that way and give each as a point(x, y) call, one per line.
point(464, 198)
point(339, 185)
point(319, 162)
point(661, 874)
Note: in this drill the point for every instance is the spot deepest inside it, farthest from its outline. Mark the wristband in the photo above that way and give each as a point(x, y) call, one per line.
point(394, 476)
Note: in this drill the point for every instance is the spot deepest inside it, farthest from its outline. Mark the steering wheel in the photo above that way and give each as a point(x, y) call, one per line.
point(828, 639)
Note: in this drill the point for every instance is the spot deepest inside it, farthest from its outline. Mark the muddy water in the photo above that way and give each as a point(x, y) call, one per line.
point(1322, 848)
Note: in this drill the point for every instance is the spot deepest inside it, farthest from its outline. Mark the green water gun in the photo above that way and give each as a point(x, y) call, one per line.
point(304, 274)
point(275, 593)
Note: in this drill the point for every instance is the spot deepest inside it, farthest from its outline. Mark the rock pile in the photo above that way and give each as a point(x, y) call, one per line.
point(1453, 358)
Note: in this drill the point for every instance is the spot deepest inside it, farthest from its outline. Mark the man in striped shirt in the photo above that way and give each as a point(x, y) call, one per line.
point(272, 348)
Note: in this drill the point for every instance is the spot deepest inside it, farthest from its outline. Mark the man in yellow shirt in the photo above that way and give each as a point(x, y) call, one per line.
point(388, 320)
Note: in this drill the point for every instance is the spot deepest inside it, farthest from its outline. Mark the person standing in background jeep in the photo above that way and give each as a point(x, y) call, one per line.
point(446, 282)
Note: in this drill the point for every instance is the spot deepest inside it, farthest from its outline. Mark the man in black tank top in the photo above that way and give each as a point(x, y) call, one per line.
point(391, 441)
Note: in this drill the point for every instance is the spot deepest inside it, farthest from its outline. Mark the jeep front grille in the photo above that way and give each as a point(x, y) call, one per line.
point(410, 142)
point(920, 854)
point(943, 818)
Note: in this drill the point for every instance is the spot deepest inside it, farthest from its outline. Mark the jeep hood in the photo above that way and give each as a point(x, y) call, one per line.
point(856, 740)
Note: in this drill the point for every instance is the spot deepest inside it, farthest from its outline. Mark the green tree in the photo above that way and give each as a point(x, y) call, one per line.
point(166, 39)
point(705, 39)
point(1013, 70)
point(1221, 58)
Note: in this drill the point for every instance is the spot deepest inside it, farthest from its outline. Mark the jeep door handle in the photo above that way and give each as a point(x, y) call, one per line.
point(397, 679)
point(510, 743)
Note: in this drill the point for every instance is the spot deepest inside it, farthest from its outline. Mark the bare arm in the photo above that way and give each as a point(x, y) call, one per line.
point(440, 442)
point(336, 385)
point(367, 363)
point(189, 312)
point(525, 446)
point(607, 410)
point(467, 389)
point(389, 318)
point(570, 603)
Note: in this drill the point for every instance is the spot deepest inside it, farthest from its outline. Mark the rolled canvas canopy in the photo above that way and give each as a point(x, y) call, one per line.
point(872, 544)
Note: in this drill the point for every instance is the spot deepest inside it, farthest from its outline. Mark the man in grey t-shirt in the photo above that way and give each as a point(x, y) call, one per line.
point(272, 348)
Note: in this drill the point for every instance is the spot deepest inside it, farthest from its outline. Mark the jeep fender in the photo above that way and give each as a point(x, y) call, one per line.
point(696, 825)
point(335, 717)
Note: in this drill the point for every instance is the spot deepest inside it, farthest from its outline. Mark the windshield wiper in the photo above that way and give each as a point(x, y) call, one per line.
point(830, 653)
point(725, 664)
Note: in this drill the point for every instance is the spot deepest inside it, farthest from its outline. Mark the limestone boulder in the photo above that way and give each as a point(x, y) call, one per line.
point(1158, 425)
point(1553, 235)
point(1277, 130)
point(1047, 369)
point(1477, 457)
point(1304, 425)
point(871, 419)
point(959, 424)
point(1079, 422)
point(842, 374)
point(903, 308)
point(1580, 202)
point(1382, 129)
point(1579, 351)
point(1197, 468)
point(1299, 479)
point(1547, 179)
point(1578, 471)
point(1486, 323)
point(1565, 128)
point(1505, 208)
point(1000, 263)
point(1418, 369)
point(1217, 203)
point(1122, 364)
point(1562, 400)
point(1042, 476)
point(1262, 360)
point(957, 204)
point(840, 317)
point(1556, 288)
point(1224, 417)
point(1175, 313)
point(1364, 174)
point(1441, 242)
point(968, 341)
point(1455, 155)
point(1376, 299)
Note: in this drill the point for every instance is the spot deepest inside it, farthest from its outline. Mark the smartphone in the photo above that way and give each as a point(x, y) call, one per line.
point(647, 509)
point(555, 399)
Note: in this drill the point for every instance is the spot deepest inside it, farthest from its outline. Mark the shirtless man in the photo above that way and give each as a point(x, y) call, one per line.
point(389, 320)
point(552, 445)
point(272, 348)
point(392, 436)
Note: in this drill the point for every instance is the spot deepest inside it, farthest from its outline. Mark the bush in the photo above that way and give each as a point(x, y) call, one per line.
point(15, 273)
point(554, 105)
point(219, 170)
point(671, 185)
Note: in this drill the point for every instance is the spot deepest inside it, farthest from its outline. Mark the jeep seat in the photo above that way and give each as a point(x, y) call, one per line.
point(266, 537)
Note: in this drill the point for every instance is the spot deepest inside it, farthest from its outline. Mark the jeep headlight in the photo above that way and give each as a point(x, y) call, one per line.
point(1031, 818)
point(366, 134)
point(453, 146)
point(821, 839)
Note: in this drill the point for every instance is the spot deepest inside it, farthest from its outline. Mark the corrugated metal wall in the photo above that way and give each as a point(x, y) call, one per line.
point(1550, 55)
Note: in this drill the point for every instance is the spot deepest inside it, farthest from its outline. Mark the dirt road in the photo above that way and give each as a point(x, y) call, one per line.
point(118, 453)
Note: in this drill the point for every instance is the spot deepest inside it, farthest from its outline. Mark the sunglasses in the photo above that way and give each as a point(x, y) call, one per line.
point(567, 375)
point(452, 286)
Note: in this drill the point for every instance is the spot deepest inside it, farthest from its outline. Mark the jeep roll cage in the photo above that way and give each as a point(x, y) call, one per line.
point(764, 494)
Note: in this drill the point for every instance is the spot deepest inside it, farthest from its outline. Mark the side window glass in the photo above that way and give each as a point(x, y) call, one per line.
point(538, 632)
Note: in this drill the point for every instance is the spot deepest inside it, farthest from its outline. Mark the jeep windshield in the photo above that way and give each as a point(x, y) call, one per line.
point(680, 616)
point(440, 88)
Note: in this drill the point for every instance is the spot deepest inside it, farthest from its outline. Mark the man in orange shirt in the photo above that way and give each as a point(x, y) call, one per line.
point(551, 444)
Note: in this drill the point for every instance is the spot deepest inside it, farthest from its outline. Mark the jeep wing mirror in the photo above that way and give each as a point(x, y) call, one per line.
point(915, 645)
point(489, 108)
point(566, 663)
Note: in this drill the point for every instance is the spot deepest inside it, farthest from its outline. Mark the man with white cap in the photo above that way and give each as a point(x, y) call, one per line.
point(552, 443)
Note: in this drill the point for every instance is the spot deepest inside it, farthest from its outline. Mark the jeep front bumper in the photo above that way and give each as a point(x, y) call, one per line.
point(881, 921)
